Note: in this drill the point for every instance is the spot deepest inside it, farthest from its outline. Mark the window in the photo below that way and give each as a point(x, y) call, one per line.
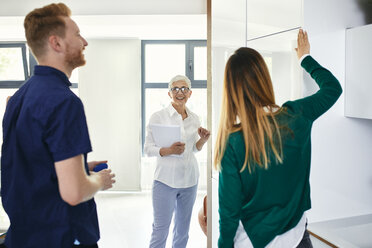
point(13, 65)
point(16, 67)
point(162, 60)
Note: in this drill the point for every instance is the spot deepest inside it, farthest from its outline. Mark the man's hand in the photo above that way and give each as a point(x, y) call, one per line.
point(107, 178)
point(75, 185)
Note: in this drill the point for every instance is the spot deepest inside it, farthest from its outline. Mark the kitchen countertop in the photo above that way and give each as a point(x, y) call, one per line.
point(351, 232)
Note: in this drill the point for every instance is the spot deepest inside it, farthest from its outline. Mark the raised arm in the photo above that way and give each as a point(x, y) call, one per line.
point(330, 89)
point(204, 136)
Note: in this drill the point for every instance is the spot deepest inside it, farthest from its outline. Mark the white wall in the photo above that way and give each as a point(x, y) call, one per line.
point(110, 88)
point(341, 173)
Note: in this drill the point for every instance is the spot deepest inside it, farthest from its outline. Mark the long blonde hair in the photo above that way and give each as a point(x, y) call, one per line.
point(248, 105)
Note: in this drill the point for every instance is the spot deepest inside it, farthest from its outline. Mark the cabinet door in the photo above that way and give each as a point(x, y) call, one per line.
point(228, 34)
point(279, 53)
point(358, 86)
point(266, 17)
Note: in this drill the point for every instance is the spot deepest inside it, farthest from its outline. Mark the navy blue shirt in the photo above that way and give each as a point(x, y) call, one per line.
point(44, 123)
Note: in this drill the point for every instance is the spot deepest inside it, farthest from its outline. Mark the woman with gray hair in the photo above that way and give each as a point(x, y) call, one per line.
point(176, 177)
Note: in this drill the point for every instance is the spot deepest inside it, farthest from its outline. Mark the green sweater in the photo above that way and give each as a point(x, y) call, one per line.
point(271, 202)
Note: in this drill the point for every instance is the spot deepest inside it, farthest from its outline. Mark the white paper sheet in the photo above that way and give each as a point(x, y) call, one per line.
point(166, 135)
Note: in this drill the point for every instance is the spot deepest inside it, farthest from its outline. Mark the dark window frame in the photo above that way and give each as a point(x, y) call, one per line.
point(28, 66)
point(14, 84)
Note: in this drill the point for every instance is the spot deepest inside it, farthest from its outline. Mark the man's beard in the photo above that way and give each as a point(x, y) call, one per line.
point(74, 59)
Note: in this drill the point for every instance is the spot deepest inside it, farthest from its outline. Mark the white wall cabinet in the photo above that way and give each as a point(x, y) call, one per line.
point(272, 28)
point(266, 17)
point(238, 24)
point(358, 74)
point(228, 34)
point(279, 53)
point(340, 146)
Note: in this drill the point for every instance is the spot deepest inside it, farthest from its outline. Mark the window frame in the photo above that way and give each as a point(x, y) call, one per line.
point(13, 84)
point(28, 66)
point(189, 69)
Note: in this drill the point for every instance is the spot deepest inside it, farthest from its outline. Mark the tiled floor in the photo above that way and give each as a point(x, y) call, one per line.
point(4, 220)
point(126, 219)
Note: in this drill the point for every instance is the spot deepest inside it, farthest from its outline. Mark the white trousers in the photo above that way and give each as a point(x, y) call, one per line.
point(166, 201)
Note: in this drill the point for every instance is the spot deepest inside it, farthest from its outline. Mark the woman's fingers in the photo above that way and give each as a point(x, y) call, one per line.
point(303, 45)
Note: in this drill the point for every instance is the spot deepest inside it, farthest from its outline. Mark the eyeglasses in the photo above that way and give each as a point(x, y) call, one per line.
point(184, 90)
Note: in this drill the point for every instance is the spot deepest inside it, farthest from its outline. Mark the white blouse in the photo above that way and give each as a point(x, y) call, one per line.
point(290, 239)
point(176, 172)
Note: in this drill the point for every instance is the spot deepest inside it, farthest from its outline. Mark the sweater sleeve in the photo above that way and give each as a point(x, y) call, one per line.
point(330, 90)
point(230, 195)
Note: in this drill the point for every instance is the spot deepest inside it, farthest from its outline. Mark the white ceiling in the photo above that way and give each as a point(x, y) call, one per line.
point(109, 7)
point(166, 27)
point(142, 19)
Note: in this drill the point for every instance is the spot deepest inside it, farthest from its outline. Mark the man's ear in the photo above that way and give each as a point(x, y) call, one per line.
point(55, 43)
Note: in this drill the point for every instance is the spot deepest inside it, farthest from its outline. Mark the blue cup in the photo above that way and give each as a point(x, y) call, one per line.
point(100, 167)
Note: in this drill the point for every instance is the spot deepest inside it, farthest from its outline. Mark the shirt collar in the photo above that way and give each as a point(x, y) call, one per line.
point(47, 70)
point(172, 110)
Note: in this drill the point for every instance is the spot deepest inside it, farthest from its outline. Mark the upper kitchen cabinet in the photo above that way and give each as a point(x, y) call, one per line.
point(229, 23)
point(265, 17)
point(280, 56)
point(358, 74)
